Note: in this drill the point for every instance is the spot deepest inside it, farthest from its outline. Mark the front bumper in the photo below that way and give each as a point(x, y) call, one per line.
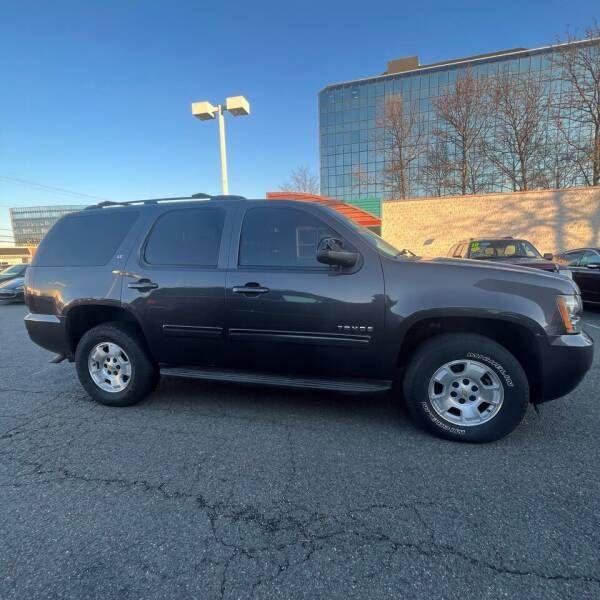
point(565, 359)
point(48, 331)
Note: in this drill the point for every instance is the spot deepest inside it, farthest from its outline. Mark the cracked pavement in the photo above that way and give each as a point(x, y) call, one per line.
point(215, 491)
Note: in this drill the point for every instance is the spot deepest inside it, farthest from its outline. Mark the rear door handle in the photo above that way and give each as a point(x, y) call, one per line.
point(142, 285)
point(249, 289)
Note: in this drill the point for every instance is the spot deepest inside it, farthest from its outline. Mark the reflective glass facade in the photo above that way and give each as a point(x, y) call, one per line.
point(30, 224)
point(350, 163)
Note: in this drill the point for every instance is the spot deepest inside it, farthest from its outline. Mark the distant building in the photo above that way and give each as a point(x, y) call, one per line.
point(352, 163)
point(31, 223)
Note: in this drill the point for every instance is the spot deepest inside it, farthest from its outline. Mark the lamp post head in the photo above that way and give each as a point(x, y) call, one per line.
point(204, 110)
point(238, 106)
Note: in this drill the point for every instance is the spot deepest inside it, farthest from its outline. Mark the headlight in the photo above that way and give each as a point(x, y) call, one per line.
point(570, 308)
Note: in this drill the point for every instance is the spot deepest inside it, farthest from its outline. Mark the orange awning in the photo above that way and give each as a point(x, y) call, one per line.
point(358, 215)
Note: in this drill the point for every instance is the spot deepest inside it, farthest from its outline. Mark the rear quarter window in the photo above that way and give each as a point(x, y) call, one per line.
point(85, 239)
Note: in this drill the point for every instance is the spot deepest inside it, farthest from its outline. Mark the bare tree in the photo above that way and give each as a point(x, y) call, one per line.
point(360, 179)
point(401, 142)
point(516, 144)
point(560, 165)
point(463, 114)
point(435, 170)
point(303, 180)
point(578, 68)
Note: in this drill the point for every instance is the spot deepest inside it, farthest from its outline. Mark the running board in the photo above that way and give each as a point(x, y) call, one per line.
point(356, 386)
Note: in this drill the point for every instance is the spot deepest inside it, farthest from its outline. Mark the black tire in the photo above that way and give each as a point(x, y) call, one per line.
point(445, 348)
point(144, 372)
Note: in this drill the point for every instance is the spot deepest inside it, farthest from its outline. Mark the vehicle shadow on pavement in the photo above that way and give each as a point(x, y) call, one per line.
point(278, 403)
point(384, 412)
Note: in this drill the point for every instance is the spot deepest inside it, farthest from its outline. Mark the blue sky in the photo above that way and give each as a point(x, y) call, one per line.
point(95, 95)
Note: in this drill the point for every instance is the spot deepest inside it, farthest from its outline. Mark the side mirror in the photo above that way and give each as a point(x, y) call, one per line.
point(331, 252)
point(548, 256)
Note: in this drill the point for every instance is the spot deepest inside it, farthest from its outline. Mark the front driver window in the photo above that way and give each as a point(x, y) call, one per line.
point(282, 237)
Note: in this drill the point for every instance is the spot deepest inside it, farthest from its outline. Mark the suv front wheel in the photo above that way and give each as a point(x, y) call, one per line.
point(466, 387)
point(114, 366)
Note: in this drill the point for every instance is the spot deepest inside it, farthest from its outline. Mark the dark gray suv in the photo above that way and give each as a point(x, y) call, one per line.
point(292, 294)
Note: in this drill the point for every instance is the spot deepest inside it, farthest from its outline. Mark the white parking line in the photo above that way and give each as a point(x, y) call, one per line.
point(592, 325)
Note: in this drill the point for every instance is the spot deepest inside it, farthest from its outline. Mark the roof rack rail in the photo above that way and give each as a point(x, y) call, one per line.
point(107, 203)
point(228, 197)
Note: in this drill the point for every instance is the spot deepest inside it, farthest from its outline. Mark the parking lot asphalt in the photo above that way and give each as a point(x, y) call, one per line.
point(215, 491)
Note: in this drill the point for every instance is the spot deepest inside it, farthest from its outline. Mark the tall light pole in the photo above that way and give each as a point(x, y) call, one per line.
point(238, 106)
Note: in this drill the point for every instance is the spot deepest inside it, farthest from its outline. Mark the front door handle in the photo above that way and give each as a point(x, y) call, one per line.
point(249, 288)
point(143, 285)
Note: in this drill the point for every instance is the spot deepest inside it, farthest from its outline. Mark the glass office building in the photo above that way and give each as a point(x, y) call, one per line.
point(351, 164)
point(30, 224)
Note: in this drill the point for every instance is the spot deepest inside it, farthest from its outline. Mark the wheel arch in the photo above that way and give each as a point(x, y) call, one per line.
point(83, 317)
point(518, 334)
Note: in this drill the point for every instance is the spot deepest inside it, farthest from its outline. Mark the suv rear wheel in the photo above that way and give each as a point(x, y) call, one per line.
point(466, 387)
point(114, 366)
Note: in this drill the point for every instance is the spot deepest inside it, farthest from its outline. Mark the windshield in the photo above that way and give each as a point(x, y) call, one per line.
point(377, 241)
point(491, 249)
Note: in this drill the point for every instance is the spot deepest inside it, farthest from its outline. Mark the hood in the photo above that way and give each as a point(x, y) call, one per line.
point(499, 265)
point(536, 263)
point(6, 277)
point(477, 269)
point(12, 284)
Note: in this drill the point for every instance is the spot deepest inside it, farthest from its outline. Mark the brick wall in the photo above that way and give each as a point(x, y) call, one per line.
point(551, 219)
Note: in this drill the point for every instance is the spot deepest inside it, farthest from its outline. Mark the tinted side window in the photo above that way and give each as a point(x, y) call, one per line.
point(186, 237)
point(281, 237)
point(85, 239)
point(573, 257)
point(589, 259)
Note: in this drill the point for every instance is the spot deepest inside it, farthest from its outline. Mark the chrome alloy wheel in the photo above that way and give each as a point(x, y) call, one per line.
point(466, 392)
point(109, 367)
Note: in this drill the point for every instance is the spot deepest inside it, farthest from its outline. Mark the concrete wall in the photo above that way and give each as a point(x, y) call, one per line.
point(551, 219)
